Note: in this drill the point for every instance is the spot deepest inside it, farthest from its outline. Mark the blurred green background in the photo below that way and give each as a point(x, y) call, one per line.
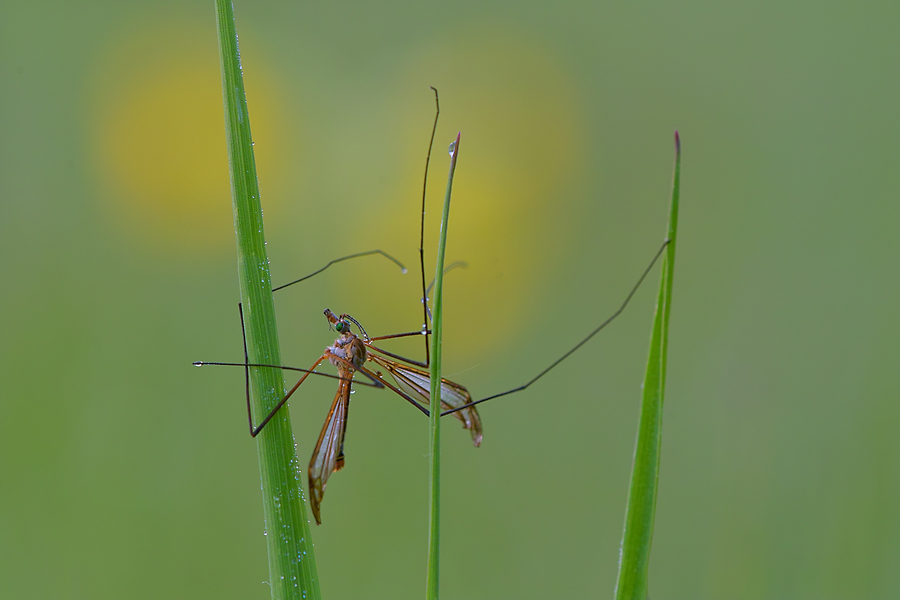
point(127, 473)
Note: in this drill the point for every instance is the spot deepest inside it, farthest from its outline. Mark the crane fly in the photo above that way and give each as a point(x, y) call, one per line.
point(351, 353)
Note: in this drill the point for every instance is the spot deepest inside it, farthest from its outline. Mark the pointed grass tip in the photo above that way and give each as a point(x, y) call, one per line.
point(454, 145)
point(677, 142)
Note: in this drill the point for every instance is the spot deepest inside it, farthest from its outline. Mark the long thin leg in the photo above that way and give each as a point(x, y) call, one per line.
point(437, 113)
point(246, 369)
point(425, 331)
point(398, 357)
point(396, 335)
point(578, 345)
point(459, 263)
point(282, 402)
point(402, 394)
point(375, 382)
point(201, 363)
point(307, 372)
point(255, 431)
point(343, 258)
point(416, 383)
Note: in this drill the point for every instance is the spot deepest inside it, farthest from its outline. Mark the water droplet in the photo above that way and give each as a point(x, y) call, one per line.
point(452, 148)
point(198, 363)
point(403, 271)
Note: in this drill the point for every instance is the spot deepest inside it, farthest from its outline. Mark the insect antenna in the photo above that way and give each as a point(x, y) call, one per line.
point(609, 320)
point(355, 322)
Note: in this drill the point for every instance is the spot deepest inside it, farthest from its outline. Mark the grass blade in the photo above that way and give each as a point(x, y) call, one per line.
point(292, 565)
point(432, 579)
point(634, 557)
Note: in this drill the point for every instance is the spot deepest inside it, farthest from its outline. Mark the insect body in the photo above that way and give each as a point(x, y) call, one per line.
point(349, 354)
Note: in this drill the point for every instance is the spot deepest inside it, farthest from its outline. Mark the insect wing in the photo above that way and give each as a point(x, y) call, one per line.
point(328, 456)
point(417, 384)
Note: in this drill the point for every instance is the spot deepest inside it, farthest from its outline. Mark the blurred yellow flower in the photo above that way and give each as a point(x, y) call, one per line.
point(520, 150)
point(160, 151)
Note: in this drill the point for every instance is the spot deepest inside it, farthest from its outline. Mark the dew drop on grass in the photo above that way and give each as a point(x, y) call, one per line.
point(452, 148)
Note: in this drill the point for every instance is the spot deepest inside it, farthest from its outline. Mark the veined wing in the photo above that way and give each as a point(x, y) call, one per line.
point(417, 384)
point(328, 456)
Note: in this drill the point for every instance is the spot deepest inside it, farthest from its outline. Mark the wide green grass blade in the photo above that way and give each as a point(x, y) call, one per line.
point(432, 578)
point(634, 558)
point(292, 565)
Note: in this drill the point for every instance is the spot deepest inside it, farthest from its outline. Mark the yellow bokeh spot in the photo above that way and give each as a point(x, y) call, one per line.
point(160, 151)
point(519, 151)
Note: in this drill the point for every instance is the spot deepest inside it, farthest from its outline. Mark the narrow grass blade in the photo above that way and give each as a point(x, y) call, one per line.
point(432, 582)
point(292, 565)
point(634, 557)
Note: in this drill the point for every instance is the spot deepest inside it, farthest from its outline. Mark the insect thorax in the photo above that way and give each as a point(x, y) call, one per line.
point(350, 348)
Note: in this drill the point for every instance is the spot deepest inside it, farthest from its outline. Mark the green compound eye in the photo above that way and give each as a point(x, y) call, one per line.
point(339, 326)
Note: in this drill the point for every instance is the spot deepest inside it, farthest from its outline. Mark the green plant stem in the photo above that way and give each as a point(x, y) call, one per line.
point(638, 533)
point(292, 565)
point(432, 582)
